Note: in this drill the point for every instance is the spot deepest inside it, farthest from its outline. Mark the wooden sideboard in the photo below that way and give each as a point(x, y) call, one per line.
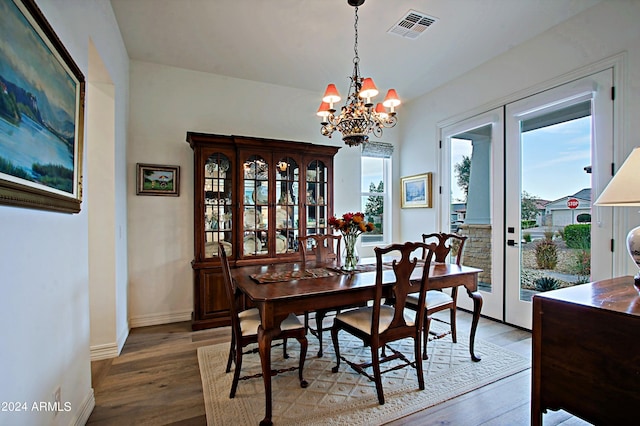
point(586, 352)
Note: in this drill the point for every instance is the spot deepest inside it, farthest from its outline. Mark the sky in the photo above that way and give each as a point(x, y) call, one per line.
point(553, 160)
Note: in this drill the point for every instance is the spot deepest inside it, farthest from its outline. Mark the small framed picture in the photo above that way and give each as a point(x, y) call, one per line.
point(154, 179)
point(416, 191)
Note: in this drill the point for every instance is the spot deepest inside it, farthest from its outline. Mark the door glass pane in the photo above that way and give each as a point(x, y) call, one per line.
point(470, 208)
point(217, 205)
point(555, 200)
point(255, 213)
point(287, 174)
point(316, 184)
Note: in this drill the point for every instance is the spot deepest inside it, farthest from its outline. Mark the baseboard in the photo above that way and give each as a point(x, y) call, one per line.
point(108, 350)
point(156, 319)
point(82, 416)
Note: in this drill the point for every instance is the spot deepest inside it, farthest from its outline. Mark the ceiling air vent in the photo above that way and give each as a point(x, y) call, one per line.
point(412, 24)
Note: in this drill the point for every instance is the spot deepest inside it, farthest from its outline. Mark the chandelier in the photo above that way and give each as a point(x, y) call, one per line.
point(358, 117)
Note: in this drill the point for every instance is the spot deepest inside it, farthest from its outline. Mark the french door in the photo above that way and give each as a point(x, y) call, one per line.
point(515, 177)
point(558, 155)
point(472, 152)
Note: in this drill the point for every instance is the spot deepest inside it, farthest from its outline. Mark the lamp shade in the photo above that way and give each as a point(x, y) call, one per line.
point(624, 188)
point(323, 110)
point(331, 95)
point(381, 111)
point(369, 89)
point(392, 99)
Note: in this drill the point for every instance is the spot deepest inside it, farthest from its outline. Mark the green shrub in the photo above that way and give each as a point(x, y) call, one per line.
point(526, 224)
point(546, 254)
point(578, 236)
point(582, 265)
point(526, 237)
point(546, 284)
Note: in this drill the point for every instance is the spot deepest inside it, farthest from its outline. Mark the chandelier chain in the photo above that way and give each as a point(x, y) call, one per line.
point(356, 59)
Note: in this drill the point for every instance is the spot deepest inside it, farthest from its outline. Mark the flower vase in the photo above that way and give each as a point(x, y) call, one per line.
point(349, 256)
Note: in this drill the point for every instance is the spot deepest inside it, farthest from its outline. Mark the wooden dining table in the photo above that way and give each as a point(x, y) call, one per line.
point(276, 300)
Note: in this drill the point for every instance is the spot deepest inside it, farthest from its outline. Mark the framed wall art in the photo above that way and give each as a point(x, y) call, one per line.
point(416, 191)
point(41, 113)
point(154, 179)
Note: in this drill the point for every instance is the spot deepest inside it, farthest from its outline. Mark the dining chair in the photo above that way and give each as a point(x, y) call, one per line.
point(244, 330)
point(379, 324)
point(438, 300)
point(320, 249)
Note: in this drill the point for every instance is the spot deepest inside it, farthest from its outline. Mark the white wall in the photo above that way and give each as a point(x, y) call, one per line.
point(44, 308)
point(603, 31)
point(167, 102)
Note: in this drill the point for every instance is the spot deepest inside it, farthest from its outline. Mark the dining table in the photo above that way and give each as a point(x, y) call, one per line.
point(280, 289)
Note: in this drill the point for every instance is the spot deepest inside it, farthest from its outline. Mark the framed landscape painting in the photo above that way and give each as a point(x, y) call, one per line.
point(416, 191)
point(41, 113)
point(153, 179)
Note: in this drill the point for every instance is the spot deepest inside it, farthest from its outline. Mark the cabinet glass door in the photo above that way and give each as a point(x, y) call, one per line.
point(287, 212)
point(255, 207)
point(316, 197)
point(217, 205)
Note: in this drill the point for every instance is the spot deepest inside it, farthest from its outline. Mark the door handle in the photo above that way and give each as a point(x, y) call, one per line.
point(511, 243)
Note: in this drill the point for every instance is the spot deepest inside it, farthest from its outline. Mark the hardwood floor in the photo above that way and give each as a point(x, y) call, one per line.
point(156, 381)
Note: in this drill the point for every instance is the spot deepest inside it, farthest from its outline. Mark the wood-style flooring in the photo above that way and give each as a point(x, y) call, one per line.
point(156, 381)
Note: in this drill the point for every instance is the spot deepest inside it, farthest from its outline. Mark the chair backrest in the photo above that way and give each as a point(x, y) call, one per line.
point(456, 243)
point(324, 248)
point(403, 285)
point(233, 295)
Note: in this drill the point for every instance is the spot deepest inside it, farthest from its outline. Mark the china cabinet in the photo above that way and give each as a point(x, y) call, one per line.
point(254, 196)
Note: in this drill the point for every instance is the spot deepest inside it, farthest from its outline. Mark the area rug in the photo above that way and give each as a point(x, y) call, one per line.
point(347, 397)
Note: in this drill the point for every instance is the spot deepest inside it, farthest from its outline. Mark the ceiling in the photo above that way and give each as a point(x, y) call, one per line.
point(309, 43)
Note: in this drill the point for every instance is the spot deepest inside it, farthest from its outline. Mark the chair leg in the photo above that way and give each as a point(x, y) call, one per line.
point(336, 348)
point(375, 364)
point(231, 353)
point(453, 324)
point(303, 355)
point(236, 372)
point(418, 358)
point(319, 319)
point(425, 336)
point(285, 355)
point(454, 296)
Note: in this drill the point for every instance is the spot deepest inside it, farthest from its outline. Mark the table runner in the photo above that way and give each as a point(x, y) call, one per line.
point(303, 274)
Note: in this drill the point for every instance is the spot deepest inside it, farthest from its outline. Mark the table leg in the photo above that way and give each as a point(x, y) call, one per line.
point(477, 306)
point(264, 345)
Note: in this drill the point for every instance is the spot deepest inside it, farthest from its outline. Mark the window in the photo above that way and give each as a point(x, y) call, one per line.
point(376, 191)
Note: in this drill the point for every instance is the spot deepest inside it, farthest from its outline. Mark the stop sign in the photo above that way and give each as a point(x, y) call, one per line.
point(573, 203)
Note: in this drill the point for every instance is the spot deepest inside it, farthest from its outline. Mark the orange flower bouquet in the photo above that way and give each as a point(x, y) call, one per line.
point(351, 225)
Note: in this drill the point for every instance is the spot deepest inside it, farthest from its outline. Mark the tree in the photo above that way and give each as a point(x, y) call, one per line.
point(463, 171)
point(528, 206)
point(374, 206)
